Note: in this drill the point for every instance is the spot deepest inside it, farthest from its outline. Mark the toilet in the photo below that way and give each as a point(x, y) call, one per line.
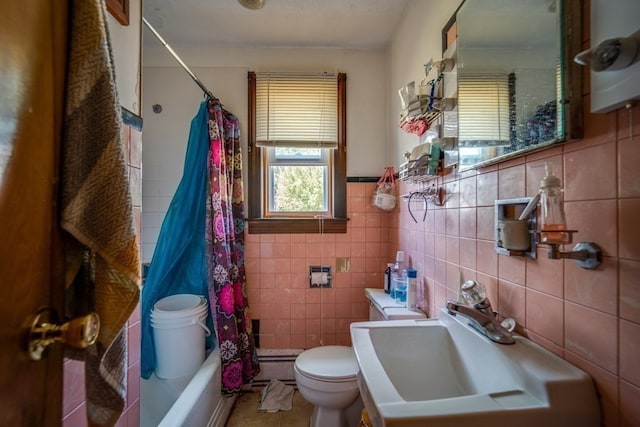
point(326, 378)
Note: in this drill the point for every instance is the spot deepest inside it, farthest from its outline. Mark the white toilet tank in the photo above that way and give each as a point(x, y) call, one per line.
point(383, 307)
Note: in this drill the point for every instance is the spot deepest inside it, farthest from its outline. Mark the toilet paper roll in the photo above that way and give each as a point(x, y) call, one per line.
point(319, 278)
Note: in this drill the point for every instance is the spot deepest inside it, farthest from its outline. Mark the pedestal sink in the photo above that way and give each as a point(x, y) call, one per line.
point(441, 372)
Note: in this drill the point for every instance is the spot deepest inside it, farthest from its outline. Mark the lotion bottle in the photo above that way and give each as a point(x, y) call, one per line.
point(399, 279)
point(553, 228)
point(412, 289)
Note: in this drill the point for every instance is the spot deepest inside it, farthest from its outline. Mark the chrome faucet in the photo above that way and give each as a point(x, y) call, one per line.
point(483, 319)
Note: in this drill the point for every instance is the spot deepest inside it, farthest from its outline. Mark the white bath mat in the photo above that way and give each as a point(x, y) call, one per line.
point(276, 396)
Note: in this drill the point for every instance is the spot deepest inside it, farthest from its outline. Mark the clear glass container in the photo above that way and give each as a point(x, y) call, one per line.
point(472, 292)
point(553, 224)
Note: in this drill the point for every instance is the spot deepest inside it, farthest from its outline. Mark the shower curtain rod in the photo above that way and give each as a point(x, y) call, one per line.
point(177, 58)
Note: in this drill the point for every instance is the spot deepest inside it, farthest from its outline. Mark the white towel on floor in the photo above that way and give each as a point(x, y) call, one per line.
point(275, 397)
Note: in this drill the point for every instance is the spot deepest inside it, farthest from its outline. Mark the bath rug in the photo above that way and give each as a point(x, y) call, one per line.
point(276, 396)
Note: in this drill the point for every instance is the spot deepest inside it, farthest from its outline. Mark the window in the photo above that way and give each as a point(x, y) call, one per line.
point(483, 110)
point(297, 152)
point(298, 182)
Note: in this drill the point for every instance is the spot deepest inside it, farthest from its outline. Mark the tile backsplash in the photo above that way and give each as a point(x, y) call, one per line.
point(589, 317)
point(293, 315)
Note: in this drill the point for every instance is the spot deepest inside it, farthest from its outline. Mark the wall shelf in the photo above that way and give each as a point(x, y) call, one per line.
point(511, 209)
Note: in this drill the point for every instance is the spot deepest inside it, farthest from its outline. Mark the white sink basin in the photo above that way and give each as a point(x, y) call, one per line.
point(440, 372)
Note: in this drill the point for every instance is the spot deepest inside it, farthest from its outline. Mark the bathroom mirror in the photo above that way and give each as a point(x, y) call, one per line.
point(518, 89)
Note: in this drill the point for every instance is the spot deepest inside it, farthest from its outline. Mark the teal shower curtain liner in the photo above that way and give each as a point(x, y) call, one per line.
point(178, 265)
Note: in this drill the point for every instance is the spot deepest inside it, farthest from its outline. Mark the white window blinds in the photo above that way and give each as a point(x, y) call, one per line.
point(483, 110)
point(297, 110)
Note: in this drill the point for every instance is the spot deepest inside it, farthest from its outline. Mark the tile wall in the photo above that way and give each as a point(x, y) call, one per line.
point(291, 314)
point(589, 317)
point(74, 405)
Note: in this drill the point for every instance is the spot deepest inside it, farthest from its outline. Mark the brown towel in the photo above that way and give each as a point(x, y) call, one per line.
point(103, 263)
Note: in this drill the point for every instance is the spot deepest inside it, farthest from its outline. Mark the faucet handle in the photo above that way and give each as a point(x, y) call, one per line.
point(509, 324)
point(473, 292)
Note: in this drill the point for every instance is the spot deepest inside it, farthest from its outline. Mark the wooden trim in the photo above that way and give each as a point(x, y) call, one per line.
point(54, 381)
point(254, 190)
point(573, 73)
point(257, 223)
point(297, 226)
point(120, 10)
point(450, 30)
point(340, 155)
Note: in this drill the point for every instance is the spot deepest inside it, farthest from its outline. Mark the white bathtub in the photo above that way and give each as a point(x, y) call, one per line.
point(197, 402)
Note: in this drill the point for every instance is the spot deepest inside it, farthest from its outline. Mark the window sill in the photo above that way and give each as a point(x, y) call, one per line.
point(297, 226)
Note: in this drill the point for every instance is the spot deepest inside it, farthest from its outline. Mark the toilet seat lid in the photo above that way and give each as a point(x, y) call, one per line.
point(331, 362)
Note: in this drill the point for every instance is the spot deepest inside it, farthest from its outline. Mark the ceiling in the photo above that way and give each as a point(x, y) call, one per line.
point(349, 24)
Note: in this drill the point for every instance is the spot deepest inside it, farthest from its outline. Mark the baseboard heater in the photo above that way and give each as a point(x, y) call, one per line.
point(276, 364)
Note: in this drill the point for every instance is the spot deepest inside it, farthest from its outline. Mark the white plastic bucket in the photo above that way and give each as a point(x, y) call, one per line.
point(179, 331)
point(179, 305)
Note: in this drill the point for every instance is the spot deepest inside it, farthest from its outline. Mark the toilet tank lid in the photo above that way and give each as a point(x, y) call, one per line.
point(331, 361)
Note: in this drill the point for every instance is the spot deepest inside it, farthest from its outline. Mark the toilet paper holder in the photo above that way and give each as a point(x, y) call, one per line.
point(320, 276)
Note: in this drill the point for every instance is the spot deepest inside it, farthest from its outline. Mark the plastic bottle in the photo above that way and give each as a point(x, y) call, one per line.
point(399, 279)
point(553, 223)
point(412, 289)
point(387, 278)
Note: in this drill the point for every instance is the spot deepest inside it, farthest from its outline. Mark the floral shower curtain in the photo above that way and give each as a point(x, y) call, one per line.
point(225, 250)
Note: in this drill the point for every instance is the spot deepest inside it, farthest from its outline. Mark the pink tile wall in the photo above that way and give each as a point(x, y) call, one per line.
point(591, 318)
point(74, 399)
point(291, 314)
